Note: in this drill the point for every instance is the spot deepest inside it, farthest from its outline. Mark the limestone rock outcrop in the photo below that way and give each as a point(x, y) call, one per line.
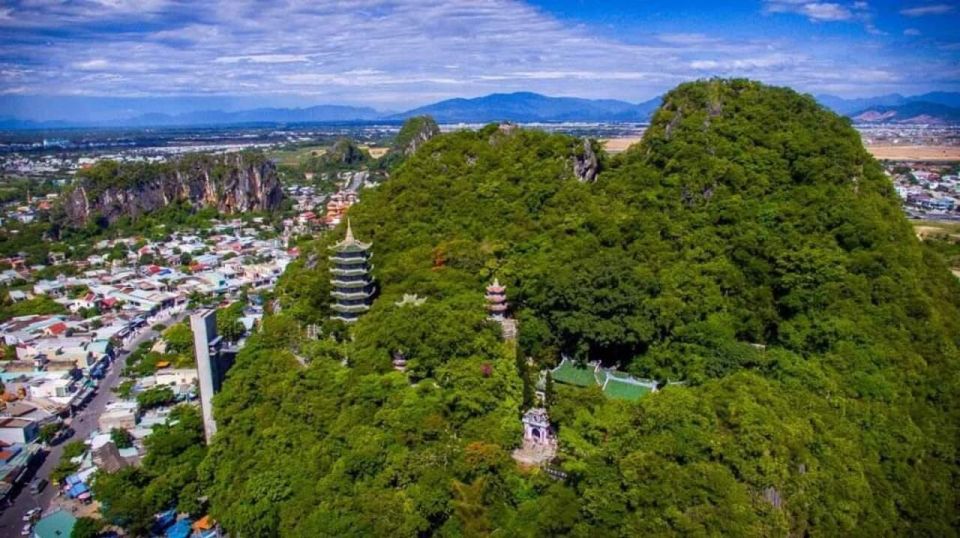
point(585, 164)
point(232, 183)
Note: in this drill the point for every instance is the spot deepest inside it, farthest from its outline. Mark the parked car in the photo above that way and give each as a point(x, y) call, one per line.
point(37, 485)
point(62, 435)
point(27, 530)
point(32, 513)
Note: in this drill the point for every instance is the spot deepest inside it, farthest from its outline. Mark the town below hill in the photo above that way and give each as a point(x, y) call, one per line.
point(98, 370)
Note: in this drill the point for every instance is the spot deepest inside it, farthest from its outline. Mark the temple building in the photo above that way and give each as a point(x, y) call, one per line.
point(337, 207)
point(353, 287)
point(539, 441)
point(614, 384)
point(536, 426)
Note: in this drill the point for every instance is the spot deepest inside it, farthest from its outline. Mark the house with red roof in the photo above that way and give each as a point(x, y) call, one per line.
point(56, 329)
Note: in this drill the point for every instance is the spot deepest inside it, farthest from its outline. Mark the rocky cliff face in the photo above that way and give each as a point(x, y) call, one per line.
point(232, 183)
point(414, 133)
point(585, 163)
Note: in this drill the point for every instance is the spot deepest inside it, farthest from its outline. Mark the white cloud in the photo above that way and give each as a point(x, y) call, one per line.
point(686, 39)
point(933, 9)
point(15, 90)
point(92, 65)
point(825, 11)
point(263, 59)
point(815, 11)
point(818, 12)
point(911, 32)
point(773, 61)
point(395, 52)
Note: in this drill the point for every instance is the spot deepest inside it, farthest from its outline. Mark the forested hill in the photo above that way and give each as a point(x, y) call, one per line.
point(749, 247)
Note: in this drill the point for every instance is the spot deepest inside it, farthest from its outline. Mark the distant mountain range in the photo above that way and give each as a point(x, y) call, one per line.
point(934, 107)
point(852, 106)
point(915, 112)
point(314, 114)
point(529, 107)
point(525, 107)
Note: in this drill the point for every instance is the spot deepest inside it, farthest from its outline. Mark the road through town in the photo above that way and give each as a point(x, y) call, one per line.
point(85, 421)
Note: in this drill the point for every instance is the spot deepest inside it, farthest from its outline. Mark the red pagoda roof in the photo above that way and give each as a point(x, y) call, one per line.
point(496, 287)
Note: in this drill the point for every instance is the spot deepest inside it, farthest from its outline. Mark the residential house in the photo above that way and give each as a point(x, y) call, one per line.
point(18, 430)
point(122, 415)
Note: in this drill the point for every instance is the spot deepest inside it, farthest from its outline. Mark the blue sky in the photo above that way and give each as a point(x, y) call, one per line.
point(122, 57)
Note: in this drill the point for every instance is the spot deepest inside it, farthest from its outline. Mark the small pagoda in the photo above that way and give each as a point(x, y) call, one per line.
point(497, 306)
point(399, 361)
point(497, 301)
point(353, 287)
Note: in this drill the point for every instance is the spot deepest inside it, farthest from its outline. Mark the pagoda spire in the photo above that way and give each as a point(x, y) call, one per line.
point(350, 241)
point(349, 237)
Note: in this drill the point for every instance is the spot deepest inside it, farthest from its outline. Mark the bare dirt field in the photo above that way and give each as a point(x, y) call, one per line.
point(292, 157)
point(937, 228)
point(916, 153)
point(894, 153)
point(616, 145)
point(375, 152)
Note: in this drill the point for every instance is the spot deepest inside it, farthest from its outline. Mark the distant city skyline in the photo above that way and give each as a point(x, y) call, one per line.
point(172, 56)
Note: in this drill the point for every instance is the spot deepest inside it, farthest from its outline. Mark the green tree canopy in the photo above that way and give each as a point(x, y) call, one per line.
point(748, 248)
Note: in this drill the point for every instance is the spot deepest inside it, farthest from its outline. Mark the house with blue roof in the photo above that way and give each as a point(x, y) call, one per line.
point(56, 525)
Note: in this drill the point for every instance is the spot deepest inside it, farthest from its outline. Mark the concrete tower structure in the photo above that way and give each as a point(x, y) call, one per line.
point(207, 348)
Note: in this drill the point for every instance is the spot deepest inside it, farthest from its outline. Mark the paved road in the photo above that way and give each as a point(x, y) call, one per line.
point(11, 521)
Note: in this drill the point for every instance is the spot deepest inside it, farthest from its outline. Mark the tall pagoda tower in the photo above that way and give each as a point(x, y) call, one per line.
point(353, 286)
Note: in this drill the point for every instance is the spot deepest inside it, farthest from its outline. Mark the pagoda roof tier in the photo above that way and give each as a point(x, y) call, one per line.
point(344, 318)
point(359, 257)
point(351, 283)
point(496, 287)
point(359, 271)
point(537, 416)
point(352, 295)
point(357, 308)
point(349, 243)
point(496, 298)
point(498, 307)
point(341, 247)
